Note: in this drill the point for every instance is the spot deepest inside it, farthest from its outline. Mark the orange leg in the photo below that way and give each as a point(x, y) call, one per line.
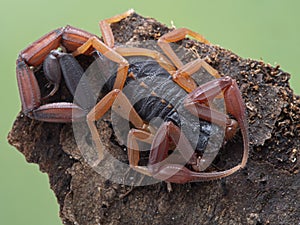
point(177, 35)
point(183, 75)
point(105, 28)
point(116, 55)
point(161, 59)
point(133, 148)
point(111, 54)
point(125, 110)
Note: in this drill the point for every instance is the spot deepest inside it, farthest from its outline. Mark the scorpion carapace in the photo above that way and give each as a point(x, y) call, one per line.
point(162, 79)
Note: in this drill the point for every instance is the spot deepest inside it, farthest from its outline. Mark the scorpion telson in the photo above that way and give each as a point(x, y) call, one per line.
point(166, 66)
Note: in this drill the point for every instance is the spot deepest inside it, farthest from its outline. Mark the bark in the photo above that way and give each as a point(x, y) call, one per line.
point(267, 191)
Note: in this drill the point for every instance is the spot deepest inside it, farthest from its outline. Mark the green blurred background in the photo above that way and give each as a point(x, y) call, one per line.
point(259, 29)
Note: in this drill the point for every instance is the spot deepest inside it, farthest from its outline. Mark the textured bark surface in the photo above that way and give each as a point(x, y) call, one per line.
point(267, 191)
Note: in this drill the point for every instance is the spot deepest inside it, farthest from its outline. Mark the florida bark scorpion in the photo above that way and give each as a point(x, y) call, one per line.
point(75, 41)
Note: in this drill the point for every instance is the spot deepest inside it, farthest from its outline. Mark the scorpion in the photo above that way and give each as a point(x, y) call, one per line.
point(160, 73)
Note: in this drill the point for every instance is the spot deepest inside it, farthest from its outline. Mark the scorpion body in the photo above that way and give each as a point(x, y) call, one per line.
point(158, 94)
point(157, 99)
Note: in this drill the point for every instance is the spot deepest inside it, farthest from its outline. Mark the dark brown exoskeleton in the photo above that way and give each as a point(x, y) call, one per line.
point(75, 41)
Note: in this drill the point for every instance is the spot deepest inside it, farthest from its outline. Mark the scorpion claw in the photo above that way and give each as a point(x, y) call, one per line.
point(52, 92)
point(52, 71)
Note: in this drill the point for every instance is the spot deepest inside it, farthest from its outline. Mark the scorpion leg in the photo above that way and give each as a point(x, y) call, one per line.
point(106, 48)
point(124, 109)
point(176, 173)
point(133, 148)
point(196, 103)
point(177, 35)
point(161, 59)
point(183, 75)
point(109, 53)
point(105, 28)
